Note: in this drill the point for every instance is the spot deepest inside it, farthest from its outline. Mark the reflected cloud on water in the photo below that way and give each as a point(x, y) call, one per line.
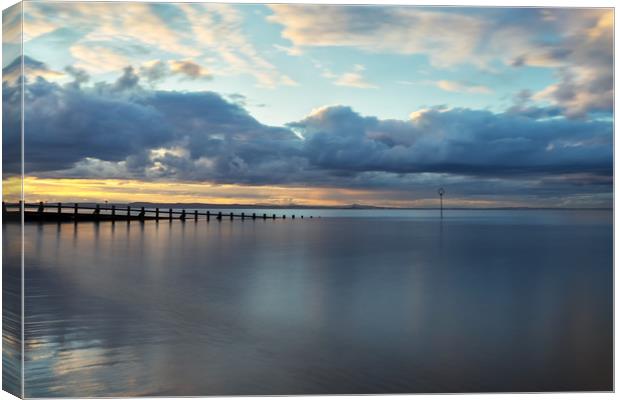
point(353, 305)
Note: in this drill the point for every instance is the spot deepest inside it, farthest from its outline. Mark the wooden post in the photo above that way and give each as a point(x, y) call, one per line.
point(242, 216)
point(195, 215)
point(274, 216)
point(264, 216)
point(142, 212)
point(40, 210)
point(75, 210)
point(208, 216)
point(182, 218)
point(293, 216)
point(170, 214)
point(253, 215)
point(157, 214)
point(219, 216)
point(128, 213)
point(231, 216)
point(21, 207)
point(113, 212)
point(59, 208)
point(283, 216)
point(302, 217)
point(4, 208)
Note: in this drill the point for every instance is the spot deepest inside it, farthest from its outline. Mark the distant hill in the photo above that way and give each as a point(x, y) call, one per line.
point(343, 207)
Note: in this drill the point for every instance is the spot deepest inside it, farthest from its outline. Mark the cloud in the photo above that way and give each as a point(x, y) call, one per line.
point(129, 130)
point(32, 69)
point(79, 76)
point(189, 69)
point(461, 87)
point(128, 81)
point(447, 38)
point(105, 37)
point(291, 51)
point(577, 44)
point(12, 28)
point(154, 71)
point(585, 79)
point(109, 34)
point(110, 24)
point(124, 130)
point(219, 27)
point(157, 70)
point(97, 59)
point(354, 79)
point(581, 92)
point(456, 141)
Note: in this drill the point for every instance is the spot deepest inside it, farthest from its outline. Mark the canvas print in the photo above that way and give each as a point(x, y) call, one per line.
point(206, 199)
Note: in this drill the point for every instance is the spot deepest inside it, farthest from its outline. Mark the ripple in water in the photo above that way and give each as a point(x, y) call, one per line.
point(515, 301)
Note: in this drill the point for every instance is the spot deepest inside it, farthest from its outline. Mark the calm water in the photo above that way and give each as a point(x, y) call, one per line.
point(483, 301)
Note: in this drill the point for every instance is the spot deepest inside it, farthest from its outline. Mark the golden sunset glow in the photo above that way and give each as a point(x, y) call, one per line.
point(117, 190)
point(11, 189)
point(122, 191)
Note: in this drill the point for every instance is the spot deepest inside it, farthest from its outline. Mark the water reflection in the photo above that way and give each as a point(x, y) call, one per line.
point(11, 309)
point(352, 305)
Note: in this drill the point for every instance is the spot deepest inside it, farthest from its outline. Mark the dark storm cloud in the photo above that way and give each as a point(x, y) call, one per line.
point(11, 128)
point(79, 75)
point(84, 128)
point(458, 141)
point(129, 79)
point(15, 66)
point(125, 130)
point(67, 124)
point(33, 68)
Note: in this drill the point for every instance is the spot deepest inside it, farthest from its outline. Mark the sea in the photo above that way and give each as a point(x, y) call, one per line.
point(345, 302)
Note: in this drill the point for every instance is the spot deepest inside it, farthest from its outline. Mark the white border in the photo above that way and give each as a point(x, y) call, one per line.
point(488, 3)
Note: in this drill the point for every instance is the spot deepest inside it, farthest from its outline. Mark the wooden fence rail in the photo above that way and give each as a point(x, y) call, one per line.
point(77, 212)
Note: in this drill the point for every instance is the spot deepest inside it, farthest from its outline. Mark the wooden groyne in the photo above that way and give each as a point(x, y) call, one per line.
point(97, 212)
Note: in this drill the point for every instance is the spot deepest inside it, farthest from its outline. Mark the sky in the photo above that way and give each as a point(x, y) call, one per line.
point(312, 104)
